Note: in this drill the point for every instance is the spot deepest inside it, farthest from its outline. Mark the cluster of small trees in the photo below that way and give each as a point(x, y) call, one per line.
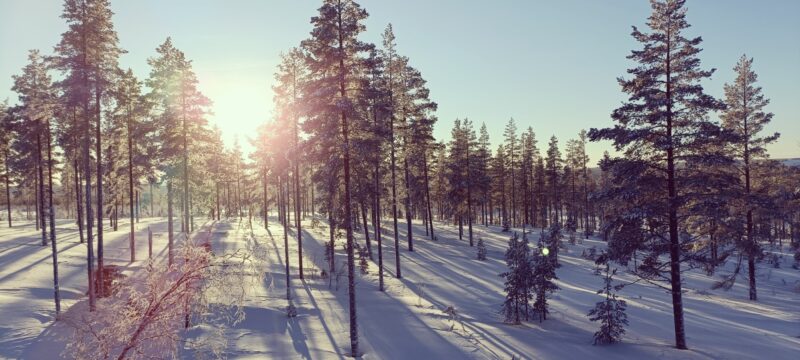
point(528, 281)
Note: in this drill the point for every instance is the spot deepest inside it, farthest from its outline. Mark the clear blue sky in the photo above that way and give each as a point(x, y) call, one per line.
point(551, 65)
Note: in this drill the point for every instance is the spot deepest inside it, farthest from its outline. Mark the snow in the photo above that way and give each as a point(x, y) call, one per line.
point(407, 320)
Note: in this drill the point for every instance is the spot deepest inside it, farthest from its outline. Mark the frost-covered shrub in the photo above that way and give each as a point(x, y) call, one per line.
point(144, 318)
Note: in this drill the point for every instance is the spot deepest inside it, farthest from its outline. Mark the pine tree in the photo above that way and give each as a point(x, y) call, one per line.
point(481, 249)
point(5, 150)
point(543, 269)
point(481, 176)
point(662, 131)
point(334, 57)
point(553, 168)
point(131, 109)
point(38, 99)
point(87, 56)
point(512, 156)
point(745, 117)
point(518, 280)
point(460, 165)
point(583, 161)
point(290, 77)
point(180, 110)
point(38, 106)
point(610, 312)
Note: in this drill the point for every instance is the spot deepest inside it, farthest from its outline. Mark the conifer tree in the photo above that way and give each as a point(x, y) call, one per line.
point(335, 55)
point(745, 118)
point(38, 99)
point(499, 174)
point(543, 269)
point(290, 77)
point(481, 249)
point(663, 133)
point(87, 56)
point(611, 311)
point(393, 63)
point(129, 115)
point(518, 280)
point(482, 181)
point(512, 156)
point(553, 164)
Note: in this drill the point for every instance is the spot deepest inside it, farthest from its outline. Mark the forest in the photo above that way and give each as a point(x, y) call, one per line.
point(135, 231)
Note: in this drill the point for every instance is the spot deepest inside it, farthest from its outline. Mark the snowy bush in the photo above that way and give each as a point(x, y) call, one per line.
point(144, 317)
point(453, 316)
point(481, 249)
point(291, 311)
point(610, 312)
point(590, 253)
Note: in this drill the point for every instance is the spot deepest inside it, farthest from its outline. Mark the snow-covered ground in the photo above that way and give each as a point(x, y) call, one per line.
point(407, 320)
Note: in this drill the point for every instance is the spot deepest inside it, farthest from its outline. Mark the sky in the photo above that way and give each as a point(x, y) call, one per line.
point(551, 65)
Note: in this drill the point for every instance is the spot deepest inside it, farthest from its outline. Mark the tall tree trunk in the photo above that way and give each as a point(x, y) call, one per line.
point(586, 225)
point(216, 202)
point(8, 190)
point(87, 178)
point(170, 235)
point(78, 199)
point(56, 291)
point(40, 168)
point(674, 249)
point(132, 237)
point(99, 159)
point(351, 283)
point(138, 201)
point(394, 205)
point(752, 243)
point(428, 195)
point(469, 214)
point(264, 191)
point(410, 233)
point(376, 219)
point(284, 189)
point(366, 228)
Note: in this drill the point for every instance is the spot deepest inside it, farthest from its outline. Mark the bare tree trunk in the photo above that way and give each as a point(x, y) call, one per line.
point(87, 177)
point(8, 191)
point(283, 188)
point(394, 204)
point(56, 291)
point(132, 238)
point(40, 198)
point(169, 223)
point(674, 249)
point(99, 157)
point(266, 206)
point(428, 195)
point(78, 199)
point(410, 233)
point(366, 228)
